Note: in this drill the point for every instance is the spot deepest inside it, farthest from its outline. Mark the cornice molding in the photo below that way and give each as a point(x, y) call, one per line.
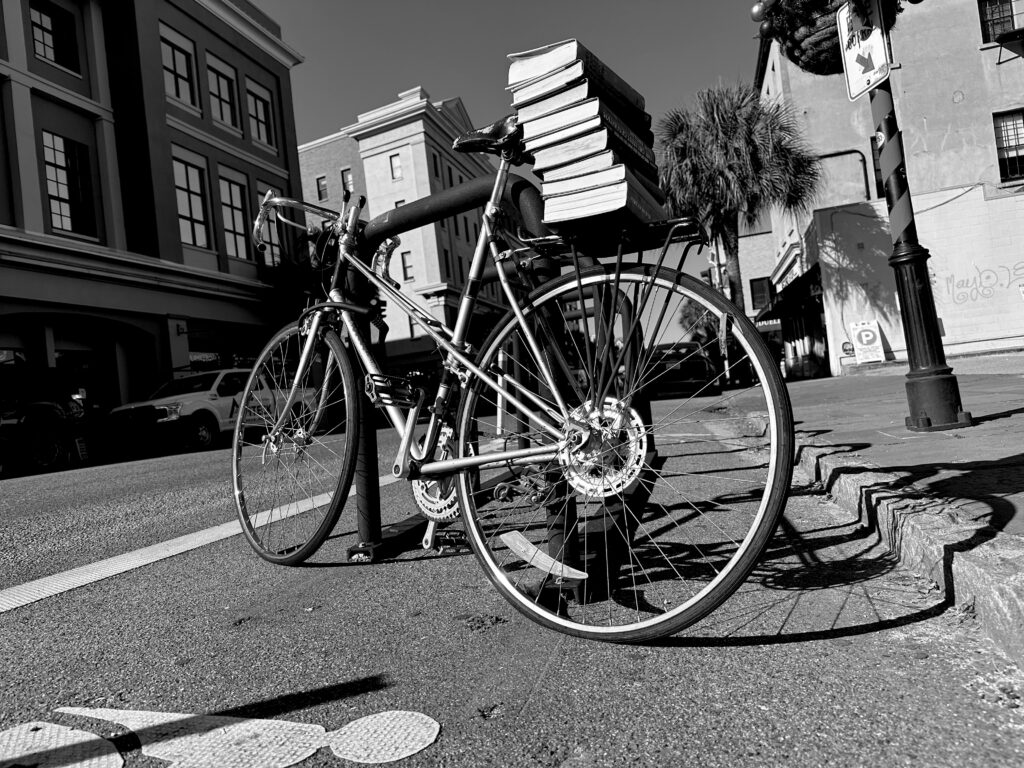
point(46, 253)
point(246, 26)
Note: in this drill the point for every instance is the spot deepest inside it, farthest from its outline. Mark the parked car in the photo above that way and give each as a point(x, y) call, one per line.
point(194, 411)
point(44, 422)
point(682, 368)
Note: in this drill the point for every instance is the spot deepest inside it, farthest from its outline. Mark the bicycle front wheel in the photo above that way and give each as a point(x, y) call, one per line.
point(671, 466)
point(293, 465)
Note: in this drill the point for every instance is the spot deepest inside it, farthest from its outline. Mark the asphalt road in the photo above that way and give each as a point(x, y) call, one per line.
point(828, 656)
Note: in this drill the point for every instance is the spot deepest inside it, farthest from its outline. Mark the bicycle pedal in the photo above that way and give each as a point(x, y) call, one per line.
point(450, 540)
point(384, 390)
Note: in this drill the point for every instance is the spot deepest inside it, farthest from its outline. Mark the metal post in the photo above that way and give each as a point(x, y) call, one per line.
point(932, 390)
point(366, 484)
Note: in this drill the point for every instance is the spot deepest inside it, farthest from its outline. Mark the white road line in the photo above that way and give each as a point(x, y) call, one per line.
point(48, 586)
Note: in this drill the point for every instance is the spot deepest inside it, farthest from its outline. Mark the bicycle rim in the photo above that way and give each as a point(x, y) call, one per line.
point(657, 502)
point(291, 483)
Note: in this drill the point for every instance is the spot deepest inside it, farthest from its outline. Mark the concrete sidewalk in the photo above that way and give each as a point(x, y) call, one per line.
point(950, 504)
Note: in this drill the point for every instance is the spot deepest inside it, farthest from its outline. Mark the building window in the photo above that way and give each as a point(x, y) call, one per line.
point(456, 220)
point(68, 185)
point(261, 125)
point(761, 292)
point(321, 187)
point(998, 16)
point(406, 265)
point(465, 227)
point(223, 94)
point(270, 237)
point(178, 57)
point(232, 206)
point(396, 167)
point(346, 180)
point(437, 165)
point(54, 36)
point(190, 189)
point(399, 203)
point(1010, 145)
point(450, 182)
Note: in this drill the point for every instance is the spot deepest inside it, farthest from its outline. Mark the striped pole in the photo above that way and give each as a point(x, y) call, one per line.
point(932, 390)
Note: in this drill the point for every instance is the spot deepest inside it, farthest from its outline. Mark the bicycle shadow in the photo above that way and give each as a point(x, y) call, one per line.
point(818, 583)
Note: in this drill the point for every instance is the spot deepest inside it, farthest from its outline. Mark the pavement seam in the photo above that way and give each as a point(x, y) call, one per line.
point(932, 536)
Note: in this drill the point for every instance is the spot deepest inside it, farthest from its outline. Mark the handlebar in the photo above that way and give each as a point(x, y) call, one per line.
point(271, 202)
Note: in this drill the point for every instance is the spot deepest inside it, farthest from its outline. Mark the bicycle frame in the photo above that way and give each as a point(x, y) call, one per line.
point(450, 340)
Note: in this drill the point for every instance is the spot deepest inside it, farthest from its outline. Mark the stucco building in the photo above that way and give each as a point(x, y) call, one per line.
point(959, 98)
point(395, 154)
point(137, 138)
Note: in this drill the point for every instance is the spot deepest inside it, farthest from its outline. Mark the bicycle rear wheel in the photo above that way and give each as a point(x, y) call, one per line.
point(291, 484)
point(672, 467)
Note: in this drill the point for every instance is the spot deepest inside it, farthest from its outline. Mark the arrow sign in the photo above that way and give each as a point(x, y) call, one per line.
point(865, 49)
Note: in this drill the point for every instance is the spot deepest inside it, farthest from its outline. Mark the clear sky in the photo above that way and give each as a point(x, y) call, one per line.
point(359, 54)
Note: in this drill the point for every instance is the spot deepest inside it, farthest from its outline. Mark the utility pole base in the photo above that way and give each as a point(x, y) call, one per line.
point(934, 402)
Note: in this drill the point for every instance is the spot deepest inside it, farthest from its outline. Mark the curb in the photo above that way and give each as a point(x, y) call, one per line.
point(937, 537)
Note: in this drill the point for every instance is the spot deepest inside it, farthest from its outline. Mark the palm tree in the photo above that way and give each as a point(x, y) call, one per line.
point(735, 155)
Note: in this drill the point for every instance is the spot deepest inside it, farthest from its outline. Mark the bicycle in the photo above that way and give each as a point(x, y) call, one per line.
point(594, 506)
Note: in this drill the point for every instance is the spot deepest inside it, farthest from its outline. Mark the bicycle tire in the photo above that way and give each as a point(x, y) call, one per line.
point(290, 488)
point(623, 538)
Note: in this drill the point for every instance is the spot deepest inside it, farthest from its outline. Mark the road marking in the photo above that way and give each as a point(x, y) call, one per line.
point(213, 741)
point(49, 586)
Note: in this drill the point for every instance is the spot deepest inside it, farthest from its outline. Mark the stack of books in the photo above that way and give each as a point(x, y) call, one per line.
point(588, 134)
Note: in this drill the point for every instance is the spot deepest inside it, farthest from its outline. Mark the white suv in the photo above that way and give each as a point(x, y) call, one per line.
point(196, 409)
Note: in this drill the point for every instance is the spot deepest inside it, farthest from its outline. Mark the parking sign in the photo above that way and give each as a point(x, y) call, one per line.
point(867, 341)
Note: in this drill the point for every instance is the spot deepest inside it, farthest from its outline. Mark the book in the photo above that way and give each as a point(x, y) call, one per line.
point(577, 113)
point(537, 89)
point(598, 162)
point(590, 144)
point(527, 66)
point(624, 197)
point(604, 177)
point(562, 134)
point(576, 93)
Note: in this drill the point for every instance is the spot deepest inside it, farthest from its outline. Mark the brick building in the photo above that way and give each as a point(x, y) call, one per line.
point(137, 138)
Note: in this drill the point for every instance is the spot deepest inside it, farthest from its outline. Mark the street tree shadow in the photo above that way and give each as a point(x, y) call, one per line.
point(854, 257)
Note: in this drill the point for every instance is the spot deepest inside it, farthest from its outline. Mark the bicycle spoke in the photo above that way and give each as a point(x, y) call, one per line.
point(662, 503)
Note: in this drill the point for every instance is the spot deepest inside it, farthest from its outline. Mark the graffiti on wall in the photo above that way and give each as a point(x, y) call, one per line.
point(979, 283)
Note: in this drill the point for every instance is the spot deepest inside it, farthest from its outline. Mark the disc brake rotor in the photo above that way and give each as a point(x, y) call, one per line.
point(611, 454)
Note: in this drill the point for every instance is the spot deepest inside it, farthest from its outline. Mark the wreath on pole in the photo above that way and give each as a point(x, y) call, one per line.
point(806, 29)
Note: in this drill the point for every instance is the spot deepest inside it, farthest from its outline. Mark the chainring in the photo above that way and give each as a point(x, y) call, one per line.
point(436, 496)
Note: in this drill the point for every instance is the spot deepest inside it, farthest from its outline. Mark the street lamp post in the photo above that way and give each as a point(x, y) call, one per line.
point(933, 393)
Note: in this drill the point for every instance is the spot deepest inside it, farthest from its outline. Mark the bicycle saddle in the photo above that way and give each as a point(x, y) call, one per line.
point(504, 135)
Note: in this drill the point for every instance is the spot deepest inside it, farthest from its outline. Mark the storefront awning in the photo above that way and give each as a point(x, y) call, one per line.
point(793, 297)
